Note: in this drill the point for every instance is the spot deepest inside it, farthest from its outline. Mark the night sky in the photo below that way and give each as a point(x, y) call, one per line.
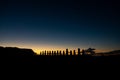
point(60, 24)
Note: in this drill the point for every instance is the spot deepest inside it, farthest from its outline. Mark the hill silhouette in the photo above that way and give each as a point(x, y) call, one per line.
point(14, 51)
point(110, 53)
point(14, 55)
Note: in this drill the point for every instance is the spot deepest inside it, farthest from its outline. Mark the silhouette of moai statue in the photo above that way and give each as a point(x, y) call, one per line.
point(74, 52)
point(45, 52)
point(57, 52)
point(60, 53)
point(70, 52)
point(66, 51)
point(40, 53)
point(78, 51)
point(63, 52)
point(52, 53)
point(83, 52)
point(49, 52)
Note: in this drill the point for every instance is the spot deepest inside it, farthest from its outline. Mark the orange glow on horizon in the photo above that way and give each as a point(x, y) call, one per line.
point(37, 48)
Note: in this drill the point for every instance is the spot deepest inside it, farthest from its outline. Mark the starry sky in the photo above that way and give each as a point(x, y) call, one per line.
point(60, 24)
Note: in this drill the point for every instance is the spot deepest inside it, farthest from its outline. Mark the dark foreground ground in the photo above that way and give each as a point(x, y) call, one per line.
point(38, 60)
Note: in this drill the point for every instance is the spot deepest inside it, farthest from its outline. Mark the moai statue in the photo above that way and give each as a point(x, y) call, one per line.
point(74, 52)
point(70, 52)
point(83, 52)
point(63, 52)
point(45, 52)
point(66, 51)
point(60, 52)
point(78, 51)
point(40, 52)
point(49, 52)
point(57, 52)
point(52, 53)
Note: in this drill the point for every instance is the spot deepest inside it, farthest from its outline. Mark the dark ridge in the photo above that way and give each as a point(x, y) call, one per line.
point(111, 53)
point(14, 51)
point(117, 52)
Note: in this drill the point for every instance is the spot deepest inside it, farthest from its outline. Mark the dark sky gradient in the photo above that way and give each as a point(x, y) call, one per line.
point(48, 24)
